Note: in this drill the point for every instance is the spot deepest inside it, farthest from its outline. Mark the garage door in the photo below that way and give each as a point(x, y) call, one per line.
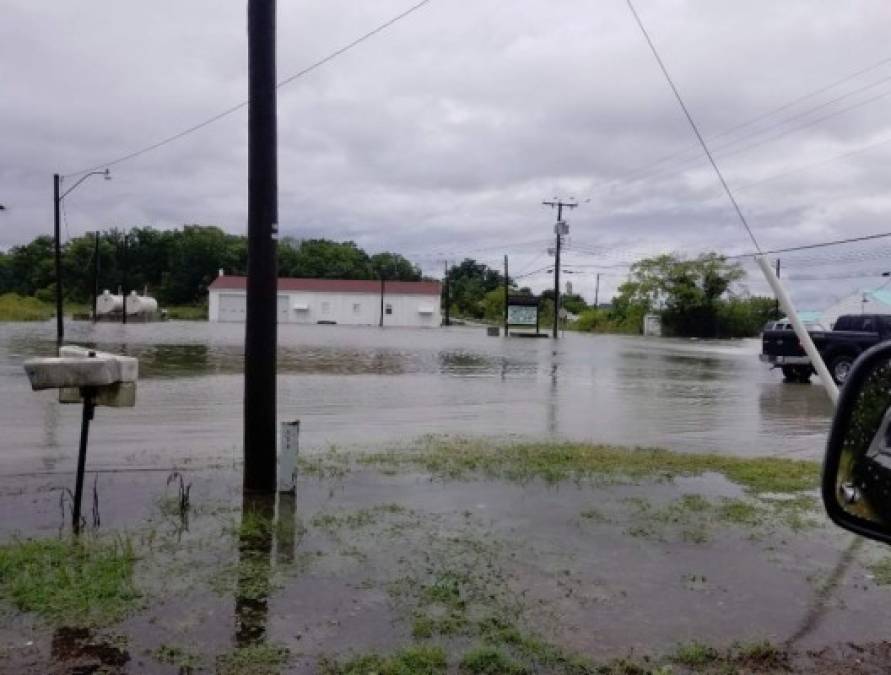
point(232, 307)
point(284, 314)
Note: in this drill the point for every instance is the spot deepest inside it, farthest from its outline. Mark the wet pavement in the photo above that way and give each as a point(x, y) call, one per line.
point(367, 387)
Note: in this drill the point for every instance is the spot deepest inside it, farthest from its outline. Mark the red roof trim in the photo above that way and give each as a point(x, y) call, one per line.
point(232, 283)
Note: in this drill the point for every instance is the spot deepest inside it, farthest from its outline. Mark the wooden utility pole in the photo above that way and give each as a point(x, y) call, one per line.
point(506, 291)
point(560, 228)
point(597, 292)
point(95, 274)
point(57, 201)
point(447, 291)
point(260, 338)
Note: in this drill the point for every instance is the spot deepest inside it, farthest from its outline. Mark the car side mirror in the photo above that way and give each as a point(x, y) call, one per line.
point(857, 467)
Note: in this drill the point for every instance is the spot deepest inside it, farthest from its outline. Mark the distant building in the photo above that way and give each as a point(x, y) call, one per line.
point(342, 301)
point(652, 325)
point(876, 301)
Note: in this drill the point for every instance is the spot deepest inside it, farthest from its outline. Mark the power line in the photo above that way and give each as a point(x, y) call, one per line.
point(689, 117)
point(806, 167)
point(635, 174)
point(225, 113)
point(807, 247)
point(779, 109)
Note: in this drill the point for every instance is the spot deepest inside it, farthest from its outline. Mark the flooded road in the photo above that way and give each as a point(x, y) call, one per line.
point(367, 388)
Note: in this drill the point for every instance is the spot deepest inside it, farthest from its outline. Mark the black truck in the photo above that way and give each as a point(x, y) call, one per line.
point(839, 347)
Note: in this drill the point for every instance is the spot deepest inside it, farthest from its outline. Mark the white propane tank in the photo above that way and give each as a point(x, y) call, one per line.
point(108, 303)
point(141, 304)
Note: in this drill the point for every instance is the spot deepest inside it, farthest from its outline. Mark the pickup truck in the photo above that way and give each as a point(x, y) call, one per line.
point(851, 335)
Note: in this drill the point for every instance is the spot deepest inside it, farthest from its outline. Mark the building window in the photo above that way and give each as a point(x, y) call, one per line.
point(356, 308)
point(326, 308)
point(388, 309)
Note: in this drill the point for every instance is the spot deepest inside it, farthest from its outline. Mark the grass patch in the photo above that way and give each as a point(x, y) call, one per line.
point(415, 660)
point(881, 571)
point(15, 307)
point(262, 659)
point(77, 582)
point(187, 312)
point(359, 518)
point(490, 661)
point(695, 655)
point(554, 462)
point(175, 655)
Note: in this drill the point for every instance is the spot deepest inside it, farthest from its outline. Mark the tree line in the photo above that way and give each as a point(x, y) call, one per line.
point(697, 297)
point(177, 266)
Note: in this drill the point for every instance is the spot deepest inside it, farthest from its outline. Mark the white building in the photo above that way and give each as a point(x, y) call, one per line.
point(342, 301)
point(876, 301)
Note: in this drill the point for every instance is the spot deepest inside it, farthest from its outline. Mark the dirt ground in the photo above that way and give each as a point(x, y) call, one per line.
point(383, 567)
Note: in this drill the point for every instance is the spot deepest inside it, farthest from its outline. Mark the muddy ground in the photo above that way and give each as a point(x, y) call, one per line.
point(382, 566)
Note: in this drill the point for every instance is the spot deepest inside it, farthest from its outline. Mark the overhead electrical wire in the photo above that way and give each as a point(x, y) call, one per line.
point(228, 111)
point(695, 128)
point(771, 113)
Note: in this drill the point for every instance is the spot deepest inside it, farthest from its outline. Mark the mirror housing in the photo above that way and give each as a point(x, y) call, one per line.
point(856, 485)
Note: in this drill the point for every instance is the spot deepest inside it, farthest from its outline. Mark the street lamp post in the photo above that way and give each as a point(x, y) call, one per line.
point(57, 205)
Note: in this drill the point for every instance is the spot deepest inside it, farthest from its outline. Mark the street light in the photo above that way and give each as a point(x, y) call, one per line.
point(57, 203)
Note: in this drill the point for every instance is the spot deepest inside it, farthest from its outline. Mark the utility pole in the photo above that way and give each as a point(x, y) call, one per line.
point(505, 295)
point(597, 293)
point(95, 274)
point(560, 228)
point(777, 306)
point(57, 202)
point(447, 289)
point(261, 329)
point(124, 294)
point(382, 300)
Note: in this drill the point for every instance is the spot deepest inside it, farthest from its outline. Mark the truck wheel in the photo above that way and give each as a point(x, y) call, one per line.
point(840, 367)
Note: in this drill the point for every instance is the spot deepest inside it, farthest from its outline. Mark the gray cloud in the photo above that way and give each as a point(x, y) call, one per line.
point(441, 136)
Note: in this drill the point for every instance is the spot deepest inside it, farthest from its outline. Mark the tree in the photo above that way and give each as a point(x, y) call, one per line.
point(687, 293)
point(469, 282)
point(325, 259)
point(394, 266)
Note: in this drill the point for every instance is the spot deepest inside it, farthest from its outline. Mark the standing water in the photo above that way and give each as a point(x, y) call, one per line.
point(367, 388)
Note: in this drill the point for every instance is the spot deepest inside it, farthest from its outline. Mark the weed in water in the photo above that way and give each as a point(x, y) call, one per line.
point(175, 655)
point(77, 582)
point(356, 519)
point(553, 462)
point(881, 571)
point(760, 657)
point(262, 659)
point(739, 512)
point(490, 661)
point(695, 654)
point(415, 660)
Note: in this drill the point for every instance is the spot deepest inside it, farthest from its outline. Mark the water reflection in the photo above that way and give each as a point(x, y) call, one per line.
point(262, 531)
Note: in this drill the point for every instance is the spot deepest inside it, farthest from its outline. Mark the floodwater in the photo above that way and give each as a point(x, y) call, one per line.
point(370, 387)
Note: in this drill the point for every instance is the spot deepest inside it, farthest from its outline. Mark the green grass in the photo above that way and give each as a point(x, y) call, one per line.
point(695, 655)
point(85, 582)
point(490, 660)
point(554, 462)
point(262, 659)
point(180, 657)
point(881, 571)
point(187, 312)
point(356, 519)
point(414, 660)
point(14, 307)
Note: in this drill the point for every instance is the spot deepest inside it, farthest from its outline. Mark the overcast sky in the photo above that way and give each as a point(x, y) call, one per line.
point(440, 136)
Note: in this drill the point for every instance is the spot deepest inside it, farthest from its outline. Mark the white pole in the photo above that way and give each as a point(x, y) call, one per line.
point(800, 331)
